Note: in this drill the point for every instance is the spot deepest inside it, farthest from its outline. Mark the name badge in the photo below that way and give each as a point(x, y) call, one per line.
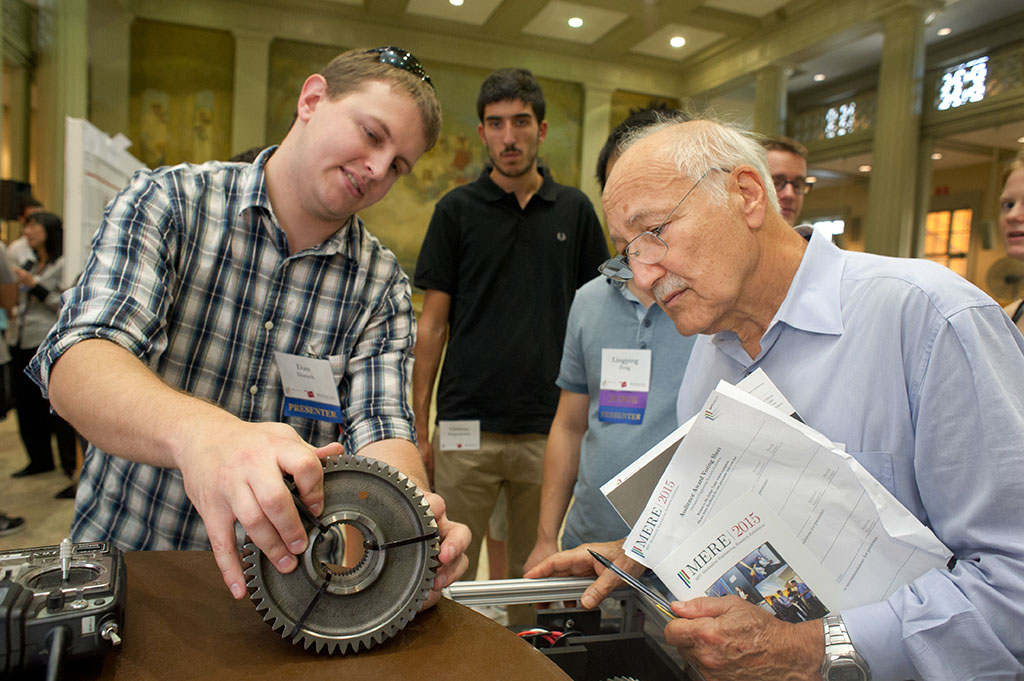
point(463, 435)
point(310, 389)
point(625, 382)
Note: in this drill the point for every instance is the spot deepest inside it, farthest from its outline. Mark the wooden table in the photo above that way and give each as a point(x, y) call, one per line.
point(182, 624)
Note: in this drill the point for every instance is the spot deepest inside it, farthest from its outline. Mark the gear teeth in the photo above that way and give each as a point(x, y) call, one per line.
point(265, 602)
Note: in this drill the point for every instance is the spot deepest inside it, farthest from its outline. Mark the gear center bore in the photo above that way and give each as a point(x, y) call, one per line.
point(339, 549)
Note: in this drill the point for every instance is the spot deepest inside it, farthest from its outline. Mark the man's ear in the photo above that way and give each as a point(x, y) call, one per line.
point(753, 193)
point(314, 90)
point(543, 131)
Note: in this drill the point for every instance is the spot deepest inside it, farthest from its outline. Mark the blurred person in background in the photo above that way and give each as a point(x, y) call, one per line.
point(39, 291)
point(1011, 224)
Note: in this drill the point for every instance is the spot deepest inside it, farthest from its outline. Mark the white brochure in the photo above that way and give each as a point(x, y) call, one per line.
point(846, 519)
point(747, 551)
point(628, 491)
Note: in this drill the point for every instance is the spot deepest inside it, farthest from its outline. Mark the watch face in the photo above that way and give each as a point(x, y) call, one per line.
point(845, 672)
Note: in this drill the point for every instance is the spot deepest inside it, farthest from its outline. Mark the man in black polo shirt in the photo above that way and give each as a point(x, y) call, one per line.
point(500, 264)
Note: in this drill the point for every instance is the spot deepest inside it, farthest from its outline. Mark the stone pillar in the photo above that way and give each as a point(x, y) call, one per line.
point(62, 76)
point(597, 118)
point(249, 108)
point(892, 192)
point(110, 33)
point(770, 100)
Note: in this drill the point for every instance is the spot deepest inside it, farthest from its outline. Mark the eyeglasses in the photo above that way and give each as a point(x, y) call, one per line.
point(800, 185)
point(403, 59)
point(647, 247)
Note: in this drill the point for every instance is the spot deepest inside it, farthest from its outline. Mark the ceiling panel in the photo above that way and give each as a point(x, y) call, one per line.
point(474, 12)
point(657, 43)
point(553, 22)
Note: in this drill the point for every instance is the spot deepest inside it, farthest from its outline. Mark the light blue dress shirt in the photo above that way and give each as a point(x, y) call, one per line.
point(921, 375)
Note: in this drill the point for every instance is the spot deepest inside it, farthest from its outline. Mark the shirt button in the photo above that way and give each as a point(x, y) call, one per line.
point(268, 325)
point(647, 322)
point(253, 390)
point(643, 346)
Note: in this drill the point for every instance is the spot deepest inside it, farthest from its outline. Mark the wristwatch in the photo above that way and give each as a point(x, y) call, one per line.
point(842, 661)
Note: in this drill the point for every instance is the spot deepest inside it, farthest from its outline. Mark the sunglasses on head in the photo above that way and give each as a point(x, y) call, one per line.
point(403, 59)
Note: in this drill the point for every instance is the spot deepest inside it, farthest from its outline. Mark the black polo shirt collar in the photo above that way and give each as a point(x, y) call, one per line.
point(492, 192)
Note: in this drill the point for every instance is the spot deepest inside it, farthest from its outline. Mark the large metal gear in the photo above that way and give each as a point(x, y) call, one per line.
point(340, 610)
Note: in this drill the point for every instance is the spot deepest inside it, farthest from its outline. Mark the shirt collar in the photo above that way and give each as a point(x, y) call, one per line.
point(492, 192)
point(813, 302)
point(253, 184)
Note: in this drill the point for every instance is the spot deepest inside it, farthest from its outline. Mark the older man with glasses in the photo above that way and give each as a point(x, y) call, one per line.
point(206, 286)
point(914, 369)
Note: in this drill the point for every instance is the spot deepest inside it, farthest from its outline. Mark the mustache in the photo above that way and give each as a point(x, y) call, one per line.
point(510, 147)
point(666, 285)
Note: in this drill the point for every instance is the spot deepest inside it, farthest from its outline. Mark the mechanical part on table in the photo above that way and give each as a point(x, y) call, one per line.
point(59, 602)
point(622, 639)
point(347, 596)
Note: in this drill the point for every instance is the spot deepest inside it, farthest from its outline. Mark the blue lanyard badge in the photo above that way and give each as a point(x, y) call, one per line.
point(625, 382)
point(310, 390)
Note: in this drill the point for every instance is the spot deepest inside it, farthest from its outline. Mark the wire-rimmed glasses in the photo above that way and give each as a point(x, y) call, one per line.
point(647, 247)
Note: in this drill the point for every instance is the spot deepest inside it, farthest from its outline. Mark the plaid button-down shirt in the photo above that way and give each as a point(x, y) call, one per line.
point(191, 273)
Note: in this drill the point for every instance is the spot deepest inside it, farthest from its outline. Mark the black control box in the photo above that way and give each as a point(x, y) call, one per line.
point(59, 602)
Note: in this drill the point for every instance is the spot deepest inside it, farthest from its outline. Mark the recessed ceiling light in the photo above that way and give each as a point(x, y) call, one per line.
point(864, 168)
point(818, 77)
point(677, 41)
point(455, 3)
point(937, 156)
point(575, 22)
point(944, 31)
point(1020, 140)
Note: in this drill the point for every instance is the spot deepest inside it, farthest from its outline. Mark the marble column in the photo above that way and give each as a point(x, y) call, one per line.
point(249, 108)
point(770, 100)
point(892, 191)
point(597, 118)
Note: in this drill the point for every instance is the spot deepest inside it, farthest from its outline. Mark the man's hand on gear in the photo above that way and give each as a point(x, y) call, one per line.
point(236, 471)
point(454, 542)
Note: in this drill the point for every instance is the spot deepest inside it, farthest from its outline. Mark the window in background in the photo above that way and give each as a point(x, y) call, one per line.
point(948, 237)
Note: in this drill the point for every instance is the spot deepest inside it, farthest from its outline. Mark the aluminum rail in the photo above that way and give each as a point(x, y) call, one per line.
point(516, 591)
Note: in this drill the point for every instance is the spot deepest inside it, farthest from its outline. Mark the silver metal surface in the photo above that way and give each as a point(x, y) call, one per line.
point(353, 609)
point(515, 591)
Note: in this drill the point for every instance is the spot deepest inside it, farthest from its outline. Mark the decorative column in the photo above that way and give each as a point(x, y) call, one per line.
point(892, 191)
point(110, 39)
point(770, 100)
point(597, 119)
point(62, 76)
point(249, 108)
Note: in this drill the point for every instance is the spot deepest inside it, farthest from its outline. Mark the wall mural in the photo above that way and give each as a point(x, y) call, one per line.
point(400, 220)
point(182, 86)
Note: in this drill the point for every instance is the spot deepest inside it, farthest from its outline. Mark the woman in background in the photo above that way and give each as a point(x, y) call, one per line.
point(1011, 224)
point(38, 303)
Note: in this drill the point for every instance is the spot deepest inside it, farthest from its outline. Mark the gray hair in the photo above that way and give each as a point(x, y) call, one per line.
point(711, 144)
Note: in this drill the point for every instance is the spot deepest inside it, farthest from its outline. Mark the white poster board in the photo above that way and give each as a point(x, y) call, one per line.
point(96, 168)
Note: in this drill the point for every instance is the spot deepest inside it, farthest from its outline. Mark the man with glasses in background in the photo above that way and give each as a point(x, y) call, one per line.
point(787, 163)
point(910, 366)
point(164, 353)
point(500, 263)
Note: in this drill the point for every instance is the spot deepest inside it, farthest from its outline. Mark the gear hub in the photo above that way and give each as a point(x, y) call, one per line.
point(339, 601)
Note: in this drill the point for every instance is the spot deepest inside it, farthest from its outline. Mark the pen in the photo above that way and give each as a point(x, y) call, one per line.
point(655, 598)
